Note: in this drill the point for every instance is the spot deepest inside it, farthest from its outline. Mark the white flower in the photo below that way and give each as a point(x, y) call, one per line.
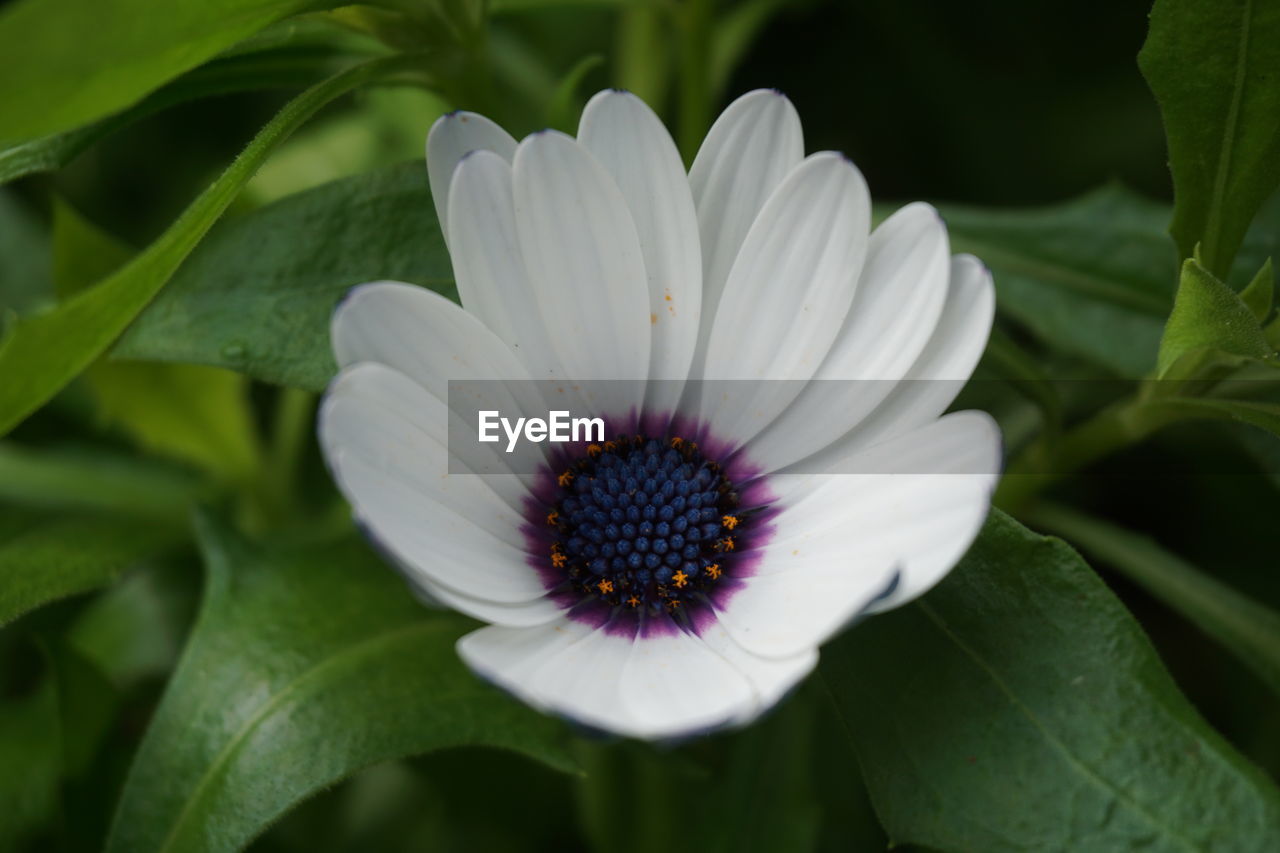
point(701, 602)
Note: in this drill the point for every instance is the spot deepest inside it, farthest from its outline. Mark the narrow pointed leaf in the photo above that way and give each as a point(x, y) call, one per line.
point(64, 64)
point(41, 354)
point(1212, 65)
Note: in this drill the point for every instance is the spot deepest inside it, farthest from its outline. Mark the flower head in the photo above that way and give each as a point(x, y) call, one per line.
point(680, 574)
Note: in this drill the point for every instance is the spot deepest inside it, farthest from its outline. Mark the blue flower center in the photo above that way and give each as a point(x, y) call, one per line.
point(645, 524)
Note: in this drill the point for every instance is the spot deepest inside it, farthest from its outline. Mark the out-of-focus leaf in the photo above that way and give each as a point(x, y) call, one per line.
point(196, 414)
point(734, 33)
point(304, 666)
point(566, 104)
point(88, 703)
point(279, 68)
point(755, 791)
point(63, 557)
point(24, 259)
point(1018, 706)
point(100, 481)
point(1208, 317)
point(1260, 293)
point(135, 629)
point(1093, 277)
point(31, 755)
point(386, 127)
point(1213, 65)
point(68, 63)
point(258, 296)
point(40, 355)
point(1248, 629)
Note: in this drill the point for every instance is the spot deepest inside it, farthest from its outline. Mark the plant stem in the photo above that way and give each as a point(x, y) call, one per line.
point(1116, 426)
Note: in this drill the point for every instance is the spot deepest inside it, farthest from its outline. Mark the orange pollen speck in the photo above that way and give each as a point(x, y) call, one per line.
point(593, 450)
point(633, 601)
point(729, 522)
point(565, 479)
point(680, 579)
point(725, 544)
point(611, 446)
point(677, 442)
point(553, 518)
point(714, 570)
point(558, 559)
point(605, 587)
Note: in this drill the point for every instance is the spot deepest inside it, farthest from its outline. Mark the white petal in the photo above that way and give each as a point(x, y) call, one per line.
point(521, 614)
point(394, 471)
point(652, 687)
point(632, 144)
point(489, 266)
point(433, 341)
point(895, 310)
point(419, 333)
point(563, 668)
point(675, 685)
point(583, 257)
point(842, 538)
point(751, 147)
point(452, 138)
point(788, 293)
point(770, 678)
point(429, 541)
point(938, 373)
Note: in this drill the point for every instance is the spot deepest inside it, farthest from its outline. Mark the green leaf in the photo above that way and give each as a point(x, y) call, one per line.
point(31, 755)
point(304, 666)
point(1018, 706)
point(68, 63)
point(196, 414)
point(293, 54)
point(1260, 293)
point(258, 295)
point(770, 763)
point(1213, 66)
point(566, 105)
point(1248, 629)
point(1208, 317)
point(98, 481)
point(64, 557)
point(25, 282)
point(40, 355)
point(1093, 277)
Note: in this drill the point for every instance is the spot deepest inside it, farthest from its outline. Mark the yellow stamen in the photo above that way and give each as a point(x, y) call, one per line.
point(565, 479)
point(605, 587)
point(610, 446)
point(680, 579)
point(558, 559)
point(714, 570)
point(593, 450)
point(677, 442)
point(633, 601)
point(553, 518)
point(725, 544)
point(729, 522)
